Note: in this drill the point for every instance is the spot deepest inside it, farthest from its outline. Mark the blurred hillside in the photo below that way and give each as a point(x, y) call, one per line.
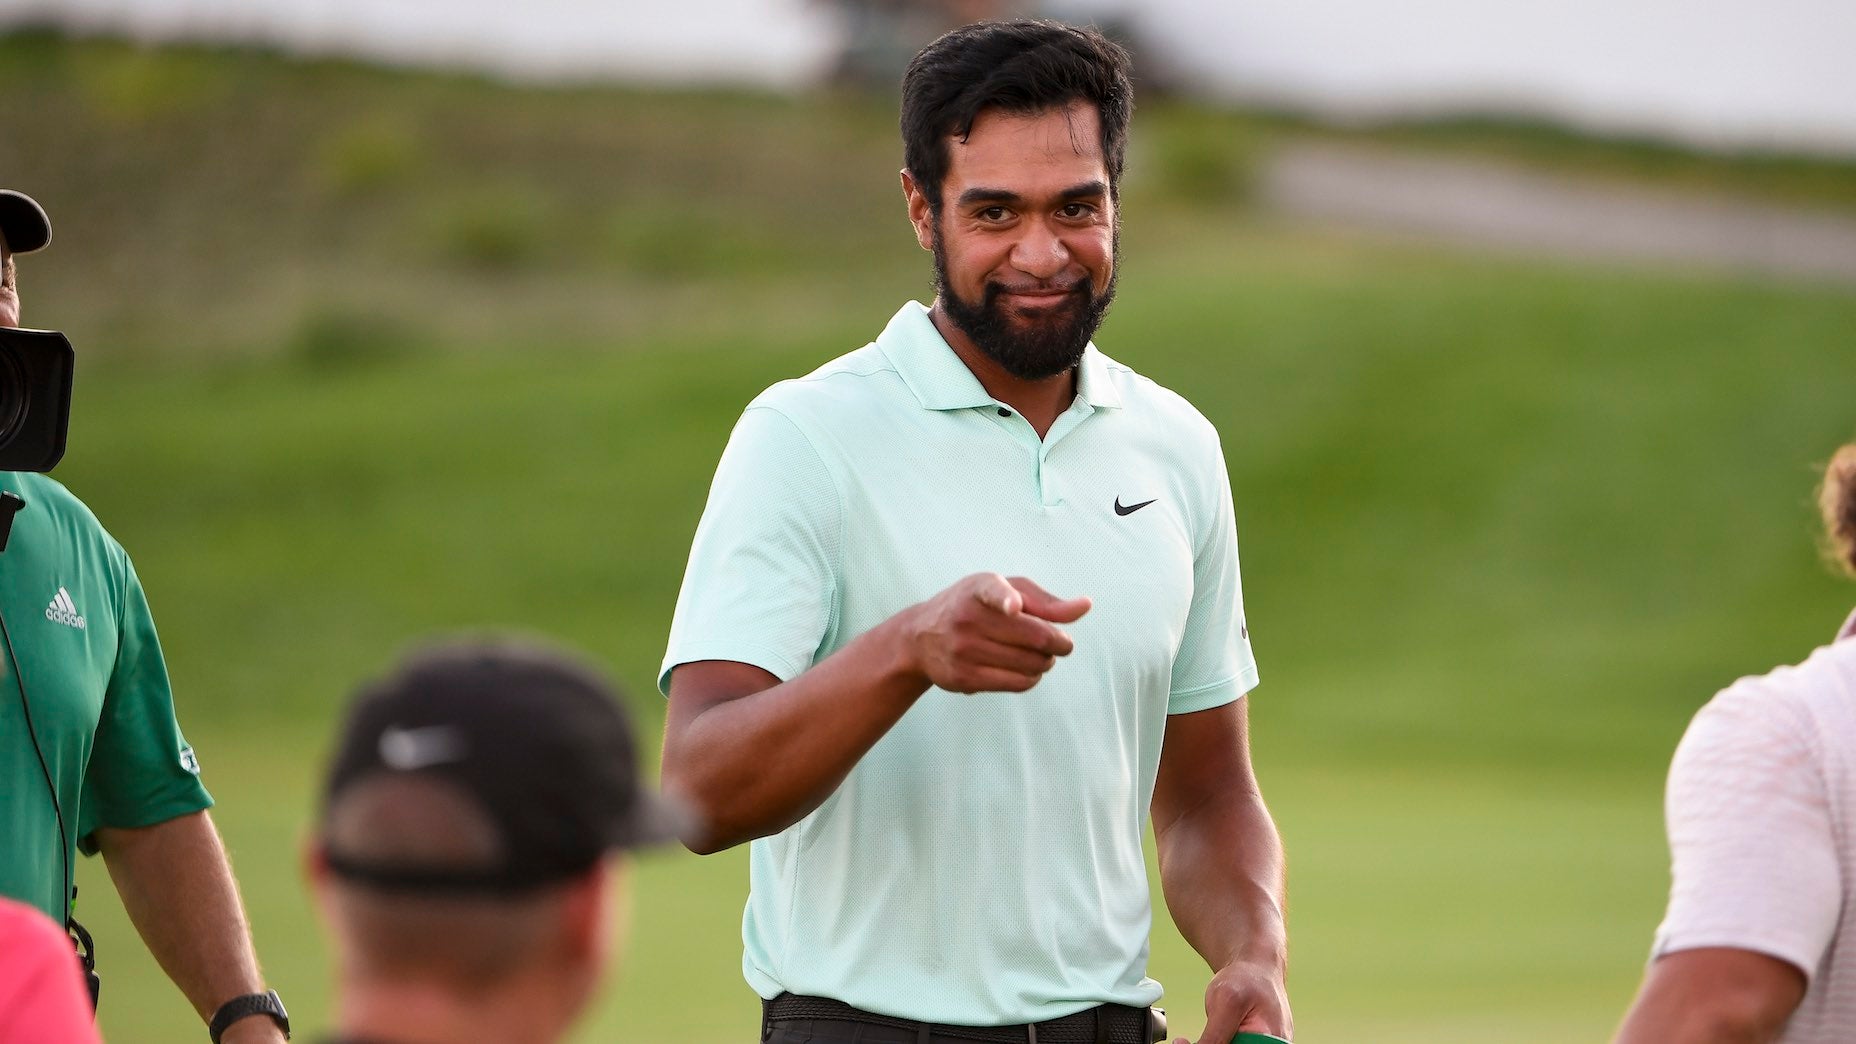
point(239, 204)
point(236, 203)
point(367, 354)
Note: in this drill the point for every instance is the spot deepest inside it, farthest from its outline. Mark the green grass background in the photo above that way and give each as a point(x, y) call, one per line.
point(369, 356)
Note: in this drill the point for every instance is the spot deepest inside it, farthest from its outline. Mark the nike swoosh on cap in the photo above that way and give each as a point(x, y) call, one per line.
point(412, 749)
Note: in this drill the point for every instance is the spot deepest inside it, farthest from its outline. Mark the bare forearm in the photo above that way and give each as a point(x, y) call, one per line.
point(756, 755)
point(177, 887)
point(1694, 1024)
point(1221, 870)
point(754, 766)
point(1713, 995)
point(1693, 1028)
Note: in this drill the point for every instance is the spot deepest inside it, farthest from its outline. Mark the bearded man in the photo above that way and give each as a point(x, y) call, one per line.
point(944, 769)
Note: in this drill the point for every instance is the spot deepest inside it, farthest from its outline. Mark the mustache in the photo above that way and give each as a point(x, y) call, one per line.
point(1074, 286)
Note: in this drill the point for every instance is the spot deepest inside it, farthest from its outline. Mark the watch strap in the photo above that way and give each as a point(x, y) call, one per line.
point(266, 1003)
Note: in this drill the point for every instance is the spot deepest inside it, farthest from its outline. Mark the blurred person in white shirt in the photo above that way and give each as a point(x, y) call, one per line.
point(1759, 942)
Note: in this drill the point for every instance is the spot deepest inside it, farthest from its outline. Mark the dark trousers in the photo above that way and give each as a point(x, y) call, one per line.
point(814, 1020)
point(831, 1031)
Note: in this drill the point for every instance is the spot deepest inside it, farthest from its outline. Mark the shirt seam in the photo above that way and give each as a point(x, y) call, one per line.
point(831, 628)
point(1731, 940)
point(837, 499)
point(712, 650)
point(888, 366)
point(1207, 529)
point(1243, 681)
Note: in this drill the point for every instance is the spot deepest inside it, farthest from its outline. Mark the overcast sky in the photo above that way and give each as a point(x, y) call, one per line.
point(1746, 72)
point(778, 42)
point(1727, 71)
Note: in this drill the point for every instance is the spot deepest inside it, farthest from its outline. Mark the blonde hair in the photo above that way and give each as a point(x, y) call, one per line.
point(1837, 498)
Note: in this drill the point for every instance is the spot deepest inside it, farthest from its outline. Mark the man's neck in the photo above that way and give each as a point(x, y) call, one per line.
point(1040, 402)
point(427, 1013)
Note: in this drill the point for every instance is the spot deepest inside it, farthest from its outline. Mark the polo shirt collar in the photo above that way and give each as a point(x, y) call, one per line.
point(1092, 384)
point(941, 381)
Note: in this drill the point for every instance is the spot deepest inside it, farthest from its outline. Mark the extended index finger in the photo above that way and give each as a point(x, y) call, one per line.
point(1039, 602)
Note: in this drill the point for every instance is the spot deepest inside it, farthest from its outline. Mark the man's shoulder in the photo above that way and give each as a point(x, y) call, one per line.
point(1152, 401)
point(1812, 701)
point(43, 490)
point(1822, 687)
point(47, 499)
point(859, 380)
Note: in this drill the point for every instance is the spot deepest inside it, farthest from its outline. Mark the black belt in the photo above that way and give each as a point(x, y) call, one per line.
point(1104, 1024)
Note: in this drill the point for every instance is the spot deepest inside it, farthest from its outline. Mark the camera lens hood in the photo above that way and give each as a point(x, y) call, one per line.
point(36, 367)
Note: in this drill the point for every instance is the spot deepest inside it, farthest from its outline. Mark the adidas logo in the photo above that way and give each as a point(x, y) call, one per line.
point(64, 611)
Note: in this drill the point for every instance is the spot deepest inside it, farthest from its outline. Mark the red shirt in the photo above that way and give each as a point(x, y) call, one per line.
point(42, 994)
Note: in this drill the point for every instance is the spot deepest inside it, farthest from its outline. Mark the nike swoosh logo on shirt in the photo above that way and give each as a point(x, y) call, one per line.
point(1131, 508)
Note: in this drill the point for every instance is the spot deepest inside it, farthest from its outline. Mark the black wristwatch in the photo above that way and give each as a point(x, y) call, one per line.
point(266, 1003)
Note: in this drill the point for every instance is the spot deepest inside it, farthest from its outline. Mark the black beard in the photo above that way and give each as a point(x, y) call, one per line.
point(1033, 350)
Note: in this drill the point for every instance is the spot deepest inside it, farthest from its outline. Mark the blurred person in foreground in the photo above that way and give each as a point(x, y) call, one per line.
point(944, 769)
point(42, 996)
point(1759, 942)
point(91, 756)
point(470, 857)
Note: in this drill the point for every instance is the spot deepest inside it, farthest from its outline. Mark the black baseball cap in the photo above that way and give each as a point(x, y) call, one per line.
point(23, 222)
point(526, 735)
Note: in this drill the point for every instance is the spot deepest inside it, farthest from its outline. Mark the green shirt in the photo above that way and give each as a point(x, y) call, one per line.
point(97, 687)
point(982, 863)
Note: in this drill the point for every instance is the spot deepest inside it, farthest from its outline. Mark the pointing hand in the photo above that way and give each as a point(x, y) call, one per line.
point(989, 633)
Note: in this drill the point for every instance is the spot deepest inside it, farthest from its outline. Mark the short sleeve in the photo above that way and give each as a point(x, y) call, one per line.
point(1214, 665)
point(761, 585)
point(141, 769)
point(1753, 859)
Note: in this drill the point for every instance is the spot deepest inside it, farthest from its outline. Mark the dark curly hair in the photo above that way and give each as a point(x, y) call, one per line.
point(1022, 67)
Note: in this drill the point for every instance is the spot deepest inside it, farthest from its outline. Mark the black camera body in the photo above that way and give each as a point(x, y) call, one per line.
point(35, 398)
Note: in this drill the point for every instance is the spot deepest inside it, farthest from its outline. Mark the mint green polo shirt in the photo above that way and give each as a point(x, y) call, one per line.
point(982, 863)
point(97, 687)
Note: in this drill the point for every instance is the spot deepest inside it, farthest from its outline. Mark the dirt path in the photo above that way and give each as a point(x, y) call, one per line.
point(1487, 203)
